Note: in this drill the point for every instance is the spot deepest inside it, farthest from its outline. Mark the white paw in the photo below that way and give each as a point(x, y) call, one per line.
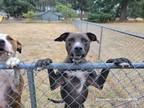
point(124, 64)
point(13, 61)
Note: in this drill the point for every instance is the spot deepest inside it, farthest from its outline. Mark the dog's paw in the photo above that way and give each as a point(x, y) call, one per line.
point(43, 62)
point(12, 62)
point(122, 62)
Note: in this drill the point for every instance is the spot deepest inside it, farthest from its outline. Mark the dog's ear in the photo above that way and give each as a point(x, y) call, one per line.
point(92, 36)
point(19, 47)
point(62, 37)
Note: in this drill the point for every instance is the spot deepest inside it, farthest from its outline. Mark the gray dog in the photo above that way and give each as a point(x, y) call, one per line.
point(74, 83)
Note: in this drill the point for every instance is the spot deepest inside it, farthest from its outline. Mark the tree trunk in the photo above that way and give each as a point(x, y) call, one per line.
point(123, 10)
point(81, 15)
point(81, 9)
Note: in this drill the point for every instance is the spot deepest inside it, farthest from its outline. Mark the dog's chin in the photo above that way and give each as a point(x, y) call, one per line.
point(2, 51)
point(77, 59)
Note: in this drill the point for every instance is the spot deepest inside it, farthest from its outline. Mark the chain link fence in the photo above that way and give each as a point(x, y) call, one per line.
point(124, 88)
point(36, 90)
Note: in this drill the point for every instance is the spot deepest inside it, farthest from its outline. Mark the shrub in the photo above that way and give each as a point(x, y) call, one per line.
point(66, 10)
point(29, 15)
point(101, 17)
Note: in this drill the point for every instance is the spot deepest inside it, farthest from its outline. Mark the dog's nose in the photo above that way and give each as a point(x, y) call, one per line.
point(78, 49)
point(2, 42)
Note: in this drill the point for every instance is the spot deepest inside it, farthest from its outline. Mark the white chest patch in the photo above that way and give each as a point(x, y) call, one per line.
point(6, 80)
point(81, 75)
point(2, 97)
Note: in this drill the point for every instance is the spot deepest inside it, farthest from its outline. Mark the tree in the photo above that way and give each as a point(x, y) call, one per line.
point(66, 10)
point(136, 9)
point(123, 9)
point(132, 8)
point(102, 11)
point(16, 7)
point(120, 8)
point(42, 5)
point(1, 3)
point(29, 15)
point(82, 5)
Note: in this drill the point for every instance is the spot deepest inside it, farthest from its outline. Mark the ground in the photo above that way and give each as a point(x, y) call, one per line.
point(38, 42)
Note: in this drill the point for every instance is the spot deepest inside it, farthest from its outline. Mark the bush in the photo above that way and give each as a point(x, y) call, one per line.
point(101, 17)
point(29, 15)
point(16, 7)
point(66, 10)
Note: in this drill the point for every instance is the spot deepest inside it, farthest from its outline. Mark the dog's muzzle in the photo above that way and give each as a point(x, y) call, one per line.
point(77, 54)
point(2, 47)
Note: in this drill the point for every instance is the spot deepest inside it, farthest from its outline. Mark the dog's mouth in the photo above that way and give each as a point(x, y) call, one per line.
point(2, 51)
point(77, 58)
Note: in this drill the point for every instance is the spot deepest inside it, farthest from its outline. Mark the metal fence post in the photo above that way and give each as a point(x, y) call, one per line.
point(100, 44)
point(31, 84)
point(81, 26)
point(86, 26)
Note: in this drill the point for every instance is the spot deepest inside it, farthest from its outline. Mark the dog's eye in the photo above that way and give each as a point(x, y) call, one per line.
point(71, 40)
point(84, 40)
point(69, 44)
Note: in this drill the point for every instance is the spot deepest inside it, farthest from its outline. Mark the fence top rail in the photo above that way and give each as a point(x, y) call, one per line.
point(138, 35)
point(69, 66)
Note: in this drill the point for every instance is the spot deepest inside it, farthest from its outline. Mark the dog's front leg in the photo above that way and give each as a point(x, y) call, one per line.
point(12, 62)
point(99, 80)
point(54, 78)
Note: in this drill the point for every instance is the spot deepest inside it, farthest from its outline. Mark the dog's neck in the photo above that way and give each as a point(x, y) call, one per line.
point(5, 57)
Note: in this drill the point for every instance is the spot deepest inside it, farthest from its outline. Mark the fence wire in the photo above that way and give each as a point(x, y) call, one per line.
point(124, 88)
point(36, 90)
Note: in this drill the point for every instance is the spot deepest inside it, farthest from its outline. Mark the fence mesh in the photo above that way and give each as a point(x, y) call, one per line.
point(124, 87)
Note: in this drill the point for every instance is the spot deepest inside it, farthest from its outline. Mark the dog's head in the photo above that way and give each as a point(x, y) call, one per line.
point(9, 46)
point(77, 44)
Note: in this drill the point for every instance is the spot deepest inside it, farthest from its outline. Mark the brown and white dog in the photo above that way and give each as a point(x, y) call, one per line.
point(11, 81)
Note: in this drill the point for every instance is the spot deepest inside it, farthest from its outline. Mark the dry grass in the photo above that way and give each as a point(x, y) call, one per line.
point(37, 40)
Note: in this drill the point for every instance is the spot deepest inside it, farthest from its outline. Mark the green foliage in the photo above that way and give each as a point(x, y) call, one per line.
point(136, 9)
point(100, 17)
point(105, 6)
point(84, 5)
point(29, 15)
point(119, 8)
point(103, 11)
point(16, 7)
point(66, 10)
point(1, 3)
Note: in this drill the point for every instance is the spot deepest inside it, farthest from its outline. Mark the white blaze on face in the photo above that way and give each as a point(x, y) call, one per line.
point(77, 44)
point(8, 45)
